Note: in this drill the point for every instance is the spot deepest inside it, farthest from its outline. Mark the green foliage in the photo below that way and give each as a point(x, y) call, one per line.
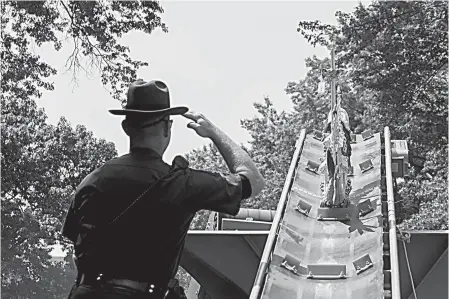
point(93, 27)
point(398, 50)
point(273, 136)
point(395, 55)
point(184, 278)
point(432, 215)
point(41, 166)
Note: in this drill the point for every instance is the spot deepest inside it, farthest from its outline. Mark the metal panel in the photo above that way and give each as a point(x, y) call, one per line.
point(434, 285)
point(253, 214)
point(223, 262)
point(424, 250)
point(235, 224)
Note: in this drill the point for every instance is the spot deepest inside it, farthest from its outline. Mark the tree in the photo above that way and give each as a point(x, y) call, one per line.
point(273, 136)
point(397, 53)
point(429, 216)
point(41, 166)
point(93, 27)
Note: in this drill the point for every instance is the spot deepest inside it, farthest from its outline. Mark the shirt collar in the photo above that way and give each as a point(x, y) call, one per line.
point(144, 151)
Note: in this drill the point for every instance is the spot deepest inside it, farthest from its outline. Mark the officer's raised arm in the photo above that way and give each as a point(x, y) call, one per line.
point(238, 161)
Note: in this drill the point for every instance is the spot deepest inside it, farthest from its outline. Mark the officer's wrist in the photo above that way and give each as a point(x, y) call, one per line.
point(216, 134)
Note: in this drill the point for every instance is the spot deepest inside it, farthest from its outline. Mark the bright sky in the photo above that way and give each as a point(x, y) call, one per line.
point(218, 59)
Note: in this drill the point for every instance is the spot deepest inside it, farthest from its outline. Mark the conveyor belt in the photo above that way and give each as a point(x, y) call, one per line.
point(309, 244)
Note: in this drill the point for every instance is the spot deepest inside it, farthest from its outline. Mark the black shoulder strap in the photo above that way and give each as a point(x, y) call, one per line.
point(179, 163)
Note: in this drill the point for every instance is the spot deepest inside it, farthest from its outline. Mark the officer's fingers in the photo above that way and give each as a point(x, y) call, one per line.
point(188, 115)
point(193, 125)
point(192, 115)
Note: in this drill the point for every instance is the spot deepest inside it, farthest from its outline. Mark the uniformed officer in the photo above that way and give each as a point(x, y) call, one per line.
point(129, 218)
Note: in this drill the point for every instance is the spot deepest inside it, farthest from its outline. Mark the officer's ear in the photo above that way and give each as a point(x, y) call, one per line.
point(127, 128)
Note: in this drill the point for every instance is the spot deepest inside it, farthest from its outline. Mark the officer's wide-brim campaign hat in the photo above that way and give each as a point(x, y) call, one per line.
point(148, 99)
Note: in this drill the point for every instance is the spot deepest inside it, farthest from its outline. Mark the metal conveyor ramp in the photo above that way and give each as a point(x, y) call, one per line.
point(328, 252)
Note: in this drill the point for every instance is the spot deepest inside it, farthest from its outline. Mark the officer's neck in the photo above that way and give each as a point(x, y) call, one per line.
point(151, 144)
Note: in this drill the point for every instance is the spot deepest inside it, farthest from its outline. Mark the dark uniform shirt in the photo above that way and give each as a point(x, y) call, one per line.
point(146, 243)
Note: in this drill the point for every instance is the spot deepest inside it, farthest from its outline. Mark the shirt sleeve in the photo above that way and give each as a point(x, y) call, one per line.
point(215, 191)
point(71, 222)
point(69, 226)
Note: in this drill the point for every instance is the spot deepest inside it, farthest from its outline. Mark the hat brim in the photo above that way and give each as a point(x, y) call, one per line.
point(167, 111)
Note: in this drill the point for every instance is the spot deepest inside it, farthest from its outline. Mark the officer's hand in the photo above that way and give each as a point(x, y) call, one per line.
point(200, 124)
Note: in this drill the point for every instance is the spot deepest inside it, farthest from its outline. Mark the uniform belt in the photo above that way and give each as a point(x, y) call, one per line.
point(90, 279)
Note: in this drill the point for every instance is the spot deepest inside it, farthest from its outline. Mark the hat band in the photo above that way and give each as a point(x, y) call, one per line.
point(146, 107)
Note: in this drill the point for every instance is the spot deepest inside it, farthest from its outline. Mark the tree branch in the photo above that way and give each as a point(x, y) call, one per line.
point(99, 55)
point(378, 20)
